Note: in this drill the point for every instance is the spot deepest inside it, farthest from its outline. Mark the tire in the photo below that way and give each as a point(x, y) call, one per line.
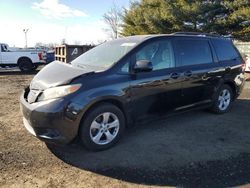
point(96, 125)
point(25, 65)
point(223, 100)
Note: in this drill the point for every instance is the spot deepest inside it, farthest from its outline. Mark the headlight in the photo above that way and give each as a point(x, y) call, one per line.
point(57, 92)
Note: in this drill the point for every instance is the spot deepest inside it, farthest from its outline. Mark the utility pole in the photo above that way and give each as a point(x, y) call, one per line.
point(25, 33)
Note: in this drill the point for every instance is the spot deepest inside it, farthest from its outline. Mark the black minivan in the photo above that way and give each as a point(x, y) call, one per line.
point(108, 88)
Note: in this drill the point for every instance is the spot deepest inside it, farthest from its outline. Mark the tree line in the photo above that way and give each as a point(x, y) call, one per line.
point(224, 17)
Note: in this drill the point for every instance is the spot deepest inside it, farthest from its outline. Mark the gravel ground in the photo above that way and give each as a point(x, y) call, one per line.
point(193, 149)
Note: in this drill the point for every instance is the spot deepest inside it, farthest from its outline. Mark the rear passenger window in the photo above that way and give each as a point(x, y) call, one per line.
point(193, 52)
point(224, 49)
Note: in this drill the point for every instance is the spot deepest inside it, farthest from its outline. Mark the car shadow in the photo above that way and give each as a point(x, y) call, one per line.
point(193, 149)
point(17, 72)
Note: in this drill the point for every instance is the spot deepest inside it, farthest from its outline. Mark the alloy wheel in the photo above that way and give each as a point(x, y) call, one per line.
point(104, 128)
point(224, 99)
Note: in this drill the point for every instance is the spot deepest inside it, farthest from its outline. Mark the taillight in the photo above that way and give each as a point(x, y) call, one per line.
point(40, 55)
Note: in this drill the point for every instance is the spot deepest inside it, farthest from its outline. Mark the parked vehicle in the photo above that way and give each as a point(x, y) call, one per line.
point(25, 59)
point(106, 89)
point(247, 64)
point(50, 56)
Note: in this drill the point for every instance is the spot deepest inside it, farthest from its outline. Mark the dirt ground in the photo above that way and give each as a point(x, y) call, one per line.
point(194, 149)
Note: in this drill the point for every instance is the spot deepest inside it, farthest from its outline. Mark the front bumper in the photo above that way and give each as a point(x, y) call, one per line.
point(54, 121)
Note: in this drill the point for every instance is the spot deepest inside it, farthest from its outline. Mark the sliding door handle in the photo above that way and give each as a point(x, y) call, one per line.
point(188, 73)
point(175, 75)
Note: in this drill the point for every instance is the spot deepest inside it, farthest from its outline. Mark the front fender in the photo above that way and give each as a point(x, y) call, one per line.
point(78, 107)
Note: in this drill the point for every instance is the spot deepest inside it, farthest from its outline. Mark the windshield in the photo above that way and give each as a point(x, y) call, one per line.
point(104, 55)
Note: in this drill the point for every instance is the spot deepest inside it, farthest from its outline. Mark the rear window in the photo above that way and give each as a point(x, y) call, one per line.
point(193, 52)
point(224, 49)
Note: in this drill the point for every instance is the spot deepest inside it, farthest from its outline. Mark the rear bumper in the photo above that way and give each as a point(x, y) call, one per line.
point(48, 120)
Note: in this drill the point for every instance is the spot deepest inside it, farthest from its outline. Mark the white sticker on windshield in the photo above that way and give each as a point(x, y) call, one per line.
point(128, 44)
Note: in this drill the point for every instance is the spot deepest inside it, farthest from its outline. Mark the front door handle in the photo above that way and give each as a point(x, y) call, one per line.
point(175, 75)
point(188, 73)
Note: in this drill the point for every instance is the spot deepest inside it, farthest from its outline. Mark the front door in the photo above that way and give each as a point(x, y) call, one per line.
point(6, 56)
point(158, 91)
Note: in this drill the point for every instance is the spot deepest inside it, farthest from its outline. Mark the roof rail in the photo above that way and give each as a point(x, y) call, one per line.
point(197, 34)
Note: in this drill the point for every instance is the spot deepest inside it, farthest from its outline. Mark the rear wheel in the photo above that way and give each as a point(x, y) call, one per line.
point(25, 64)
point(102, 127)
point(223, 100)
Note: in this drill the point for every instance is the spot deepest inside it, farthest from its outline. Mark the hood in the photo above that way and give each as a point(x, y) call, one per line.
point(57, 73)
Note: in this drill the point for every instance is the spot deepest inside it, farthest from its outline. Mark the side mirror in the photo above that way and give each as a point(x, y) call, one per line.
point(143, 66)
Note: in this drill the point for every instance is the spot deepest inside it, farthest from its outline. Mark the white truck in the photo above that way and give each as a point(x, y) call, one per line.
point(25, 59)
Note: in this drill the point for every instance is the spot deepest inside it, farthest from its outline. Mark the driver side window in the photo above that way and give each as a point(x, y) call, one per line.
point(3, 48)
point(160, 53)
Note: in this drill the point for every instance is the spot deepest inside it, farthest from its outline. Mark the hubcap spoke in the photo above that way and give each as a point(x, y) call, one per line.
point(226, 102)
point(221, 104)
point(106, 117)
point(97, 138)
point(224, 93)
point(113, 124)
point(227, 96)
point(95, 125)
point(109, 136)
point(220, 98)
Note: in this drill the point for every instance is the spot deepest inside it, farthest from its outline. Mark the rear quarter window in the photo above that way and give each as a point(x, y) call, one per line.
point(224, 49)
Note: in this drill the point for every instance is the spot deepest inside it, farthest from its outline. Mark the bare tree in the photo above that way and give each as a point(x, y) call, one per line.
point(113, 19)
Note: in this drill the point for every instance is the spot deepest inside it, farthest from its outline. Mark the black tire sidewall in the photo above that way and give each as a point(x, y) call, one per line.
point(88, 119)
point(215, 107)
point(26, 62)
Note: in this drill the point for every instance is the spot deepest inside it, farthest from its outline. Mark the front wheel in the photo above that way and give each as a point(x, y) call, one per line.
point(223, 100)
point(102, 127)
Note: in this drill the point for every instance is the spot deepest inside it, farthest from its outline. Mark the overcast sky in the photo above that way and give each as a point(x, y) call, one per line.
point(49, 21)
